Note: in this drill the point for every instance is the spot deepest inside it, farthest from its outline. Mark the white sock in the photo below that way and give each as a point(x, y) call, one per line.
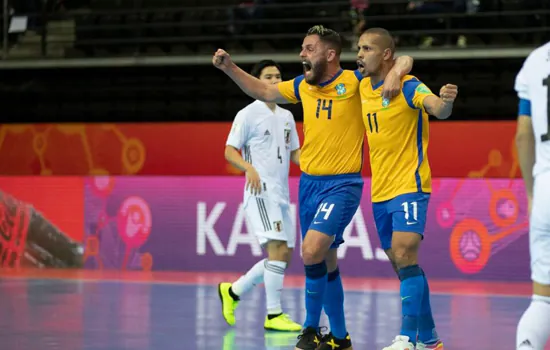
point(274, 275)
point(534, 326)
point(253, 277)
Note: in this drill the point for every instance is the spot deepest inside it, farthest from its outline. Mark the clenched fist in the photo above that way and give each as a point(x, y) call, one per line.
point(448, 93)
point(221, 60)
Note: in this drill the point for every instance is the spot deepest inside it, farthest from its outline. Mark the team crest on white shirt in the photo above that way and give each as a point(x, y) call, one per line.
point(287, 138)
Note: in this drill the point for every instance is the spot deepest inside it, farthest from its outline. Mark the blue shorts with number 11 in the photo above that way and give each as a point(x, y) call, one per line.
point(404, 213)
point(328, 203)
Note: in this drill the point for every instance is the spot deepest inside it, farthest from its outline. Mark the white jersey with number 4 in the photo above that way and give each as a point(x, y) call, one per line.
point(266, 139)
point(533, 88)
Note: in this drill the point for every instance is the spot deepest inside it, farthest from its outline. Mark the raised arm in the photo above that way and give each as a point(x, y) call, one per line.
point(402, 66)
point(441, 107)
point(392, 83)
point(251, 86)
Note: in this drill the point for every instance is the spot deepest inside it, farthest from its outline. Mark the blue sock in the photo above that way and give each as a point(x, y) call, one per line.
point(426, 325)
point(412, 290)
point(334, 305)
point(316, 283)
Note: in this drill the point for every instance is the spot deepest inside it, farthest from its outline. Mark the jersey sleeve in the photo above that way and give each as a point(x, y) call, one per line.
point(521, 85)
point(294, 139)
point(522, 88)
point(238, 136)
point(415, 92)
point(290, 89)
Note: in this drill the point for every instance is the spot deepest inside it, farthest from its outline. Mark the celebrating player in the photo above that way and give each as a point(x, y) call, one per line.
point(397, 132)
point(533, 146)
point(267, 135)
point(331, 160)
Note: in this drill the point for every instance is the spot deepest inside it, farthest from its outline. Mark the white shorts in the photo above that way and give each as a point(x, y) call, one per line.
point(270, 221)
point(539, 230)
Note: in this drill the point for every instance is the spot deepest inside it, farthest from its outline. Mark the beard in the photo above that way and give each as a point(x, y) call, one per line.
point(316, 73)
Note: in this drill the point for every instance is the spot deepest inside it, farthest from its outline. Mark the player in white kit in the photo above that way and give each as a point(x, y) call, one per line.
point(533, 146)
point(266, 134)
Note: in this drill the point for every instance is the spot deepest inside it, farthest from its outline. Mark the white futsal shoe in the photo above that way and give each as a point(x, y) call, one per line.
point(401, 342)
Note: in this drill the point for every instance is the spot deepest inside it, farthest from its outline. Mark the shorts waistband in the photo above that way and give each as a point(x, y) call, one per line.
point(331, 177)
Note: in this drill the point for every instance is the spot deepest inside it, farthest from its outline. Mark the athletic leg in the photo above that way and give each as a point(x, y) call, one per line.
point(408, 214)
point(533, 329)
point(279, 253)
point(346, 198)
point(259, 212)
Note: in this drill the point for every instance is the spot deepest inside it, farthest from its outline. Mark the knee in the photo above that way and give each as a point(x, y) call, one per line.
point(311, 254)
point(403, 256)
point(279, 250)
point(392, 261)
point(405, 248)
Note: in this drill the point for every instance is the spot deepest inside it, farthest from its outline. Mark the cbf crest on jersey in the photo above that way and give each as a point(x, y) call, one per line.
point(340, 89)
point(385, 102)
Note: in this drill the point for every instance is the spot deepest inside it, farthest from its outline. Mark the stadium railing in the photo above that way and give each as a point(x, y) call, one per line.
point(147, 34)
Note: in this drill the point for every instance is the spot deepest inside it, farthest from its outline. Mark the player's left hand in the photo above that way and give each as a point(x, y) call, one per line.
point(392, 86)
point(448, 93)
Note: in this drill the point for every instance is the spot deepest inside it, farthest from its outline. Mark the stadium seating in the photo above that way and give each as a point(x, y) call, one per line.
point(105, 28)
point(163, 28)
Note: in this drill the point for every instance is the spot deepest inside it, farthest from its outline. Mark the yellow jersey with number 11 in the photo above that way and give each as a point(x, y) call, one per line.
point(398, 135)
point(333, 128)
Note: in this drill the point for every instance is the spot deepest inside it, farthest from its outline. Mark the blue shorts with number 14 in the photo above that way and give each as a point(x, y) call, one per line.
point(328, 203)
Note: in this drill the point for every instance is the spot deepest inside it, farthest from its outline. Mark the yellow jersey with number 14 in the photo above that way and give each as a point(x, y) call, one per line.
point(333, 128)
point(398, 135)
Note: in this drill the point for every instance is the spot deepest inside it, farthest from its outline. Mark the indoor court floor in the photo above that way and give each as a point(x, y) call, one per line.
point(73, 310)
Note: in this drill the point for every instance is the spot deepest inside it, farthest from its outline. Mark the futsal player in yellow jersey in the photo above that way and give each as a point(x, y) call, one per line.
point(397, 132)
point(331, 160)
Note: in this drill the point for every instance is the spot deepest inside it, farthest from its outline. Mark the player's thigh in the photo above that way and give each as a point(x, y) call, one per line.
point(286, 248)
point(383, 222)
point(307, 203)
point(336, 209)
point(409, 213)
point(539, 238)
point(266, 220)
point(289, 226)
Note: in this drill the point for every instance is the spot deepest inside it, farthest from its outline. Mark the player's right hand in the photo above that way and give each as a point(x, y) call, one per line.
point(253, 181)
point(221, 60)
